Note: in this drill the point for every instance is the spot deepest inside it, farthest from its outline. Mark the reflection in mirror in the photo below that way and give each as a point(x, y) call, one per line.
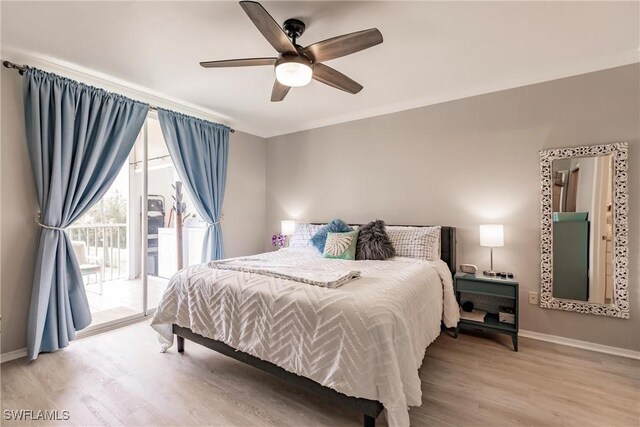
point(582, 198)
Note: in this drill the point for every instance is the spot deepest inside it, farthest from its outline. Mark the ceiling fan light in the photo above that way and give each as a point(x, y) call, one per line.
point(293, 74)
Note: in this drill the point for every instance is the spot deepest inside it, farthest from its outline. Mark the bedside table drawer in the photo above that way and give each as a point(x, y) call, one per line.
point(485, 288)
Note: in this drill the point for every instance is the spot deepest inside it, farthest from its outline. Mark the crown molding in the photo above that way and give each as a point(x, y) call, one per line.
point(598, 64)
point(160, 99)
point(123, 87)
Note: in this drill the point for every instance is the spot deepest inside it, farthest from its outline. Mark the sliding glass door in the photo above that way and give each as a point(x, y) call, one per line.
point(101, 241)
point(159, 248)
point(171, 235)
point(129, 243)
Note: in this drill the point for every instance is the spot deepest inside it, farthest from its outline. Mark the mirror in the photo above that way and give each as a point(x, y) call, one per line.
point(584, 229)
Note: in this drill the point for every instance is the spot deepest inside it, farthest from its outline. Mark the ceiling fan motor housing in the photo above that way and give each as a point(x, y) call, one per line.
point(292, 57)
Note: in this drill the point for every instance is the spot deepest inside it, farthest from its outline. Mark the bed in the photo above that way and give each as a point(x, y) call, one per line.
point(360, 344)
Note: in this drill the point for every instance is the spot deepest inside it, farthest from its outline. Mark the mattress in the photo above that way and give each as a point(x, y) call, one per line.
point(365, 339)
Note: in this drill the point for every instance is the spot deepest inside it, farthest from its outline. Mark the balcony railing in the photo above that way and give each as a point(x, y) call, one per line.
point(106, 242)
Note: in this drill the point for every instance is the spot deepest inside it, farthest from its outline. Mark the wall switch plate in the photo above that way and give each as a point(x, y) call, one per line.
point(533, 297)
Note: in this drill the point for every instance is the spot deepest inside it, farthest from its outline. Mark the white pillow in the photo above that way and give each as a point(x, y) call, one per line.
point(300, 238)
point(415, 242)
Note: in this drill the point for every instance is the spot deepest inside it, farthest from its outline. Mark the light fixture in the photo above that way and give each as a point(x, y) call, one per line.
point(287, 227)
point(293, 71)
point(492, 236)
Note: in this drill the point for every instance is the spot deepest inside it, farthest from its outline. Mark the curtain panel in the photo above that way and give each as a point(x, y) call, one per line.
point(199, 150)
point(78, 138)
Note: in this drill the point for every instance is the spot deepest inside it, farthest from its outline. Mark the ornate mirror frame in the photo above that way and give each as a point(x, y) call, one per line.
point(620, 306)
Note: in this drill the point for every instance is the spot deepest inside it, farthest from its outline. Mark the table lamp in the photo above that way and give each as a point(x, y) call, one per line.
point(287, 227)
point(491, 236)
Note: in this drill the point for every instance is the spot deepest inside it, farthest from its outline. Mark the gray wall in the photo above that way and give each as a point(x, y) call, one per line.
point(464, 163)
point(460, 163)
point(243, 224)
point(18, 233)
point(244, 207)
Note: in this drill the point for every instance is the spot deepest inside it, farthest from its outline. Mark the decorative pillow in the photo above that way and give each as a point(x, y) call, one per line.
point(341, 245)
point(335, 226)
point(373, 242)
point(416, 242)
point(301, 238)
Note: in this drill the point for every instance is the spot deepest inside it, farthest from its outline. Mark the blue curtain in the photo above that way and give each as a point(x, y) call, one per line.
point(78, 138)
point(199, 150)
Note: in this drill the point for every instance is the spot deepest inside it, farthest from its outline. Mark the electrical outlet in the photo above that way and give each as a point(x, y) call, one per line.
point(533, 297)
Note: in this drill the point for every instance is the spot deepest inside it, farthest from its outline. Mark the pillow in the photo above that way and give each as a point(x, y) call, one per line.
point(374, 242)
point(416, 242)
point(335, 226)
point(341, 245)
point(301, 237)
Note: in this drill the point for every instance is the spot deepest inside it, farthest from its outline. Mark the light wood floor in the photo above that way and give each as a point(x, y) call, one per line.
point(120, 378)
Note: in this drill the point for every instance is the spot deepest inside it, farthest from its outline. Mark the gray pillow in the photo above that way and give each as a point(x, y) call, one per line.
point(373, 242)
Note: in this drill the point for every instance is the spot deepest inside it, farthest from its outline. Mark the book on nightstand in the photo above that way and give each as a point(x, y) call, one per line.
point(475, 315)
point(507, 315)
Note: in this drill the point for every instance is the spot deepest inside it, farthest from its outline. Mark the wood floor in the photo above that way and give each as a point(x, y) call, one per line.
point(120, 378)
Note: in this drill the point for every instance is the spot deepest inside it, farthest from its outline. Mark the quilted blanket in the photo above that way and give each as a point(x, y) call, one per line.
point(366, 338)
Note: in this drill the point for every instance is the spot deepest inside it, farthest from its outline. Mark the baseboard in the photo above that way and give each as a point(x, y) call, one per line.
point(13, 355)
point(17, 354)
point(616, 351)
point(110, 326)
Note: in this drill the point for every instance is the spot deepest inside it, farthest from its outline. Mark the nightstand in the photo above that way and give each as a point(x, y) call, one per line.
point(488, 293)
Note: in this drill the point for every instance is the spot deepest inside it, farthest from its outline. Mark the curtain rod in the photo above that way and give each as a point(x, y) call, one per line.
point(21, 68)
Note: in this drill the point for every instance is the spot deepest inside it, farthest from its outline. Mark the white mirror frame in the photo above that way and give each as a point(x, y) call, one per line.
point(620, 306)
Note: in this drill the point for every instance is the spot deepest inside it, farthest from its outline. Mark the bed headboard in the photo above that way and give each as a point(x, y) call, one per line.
point(447, 243)
point(448, 247)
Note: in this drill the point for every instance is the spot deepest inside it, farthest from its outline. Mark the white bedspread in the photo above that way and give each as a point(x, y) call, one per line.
point(365, 339)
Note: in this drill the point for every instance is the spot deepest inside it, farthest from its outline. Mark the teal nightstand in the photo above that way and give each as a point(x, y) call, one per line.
point(490, 292)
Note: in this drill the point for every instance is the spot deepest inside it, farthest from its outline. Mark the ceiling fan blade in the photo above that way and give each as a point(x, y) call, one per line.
point(268, 26)
point(279, 91)
point(247, 62)
point(343, 45)
point(334, 78)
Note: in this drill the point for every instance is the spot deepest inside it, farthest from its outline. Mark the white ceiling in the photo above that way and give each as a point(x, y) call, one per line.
point(432, 51)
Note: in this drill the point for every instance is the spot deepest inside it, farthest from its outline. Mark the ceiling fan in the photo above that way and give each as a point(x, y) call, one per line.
point(295, 65)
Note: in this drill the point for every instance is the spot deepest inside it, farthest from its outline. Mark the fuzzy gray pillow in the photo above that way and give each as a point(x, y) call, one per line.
point(373, 242)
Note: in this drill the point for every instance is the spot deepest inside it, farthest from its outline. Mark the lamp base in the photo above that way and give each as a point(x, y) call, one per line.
point(490, 273)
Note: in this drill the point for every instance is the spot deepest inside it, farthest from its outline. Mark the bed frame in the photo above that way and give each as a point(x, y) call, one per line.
point(369, 408)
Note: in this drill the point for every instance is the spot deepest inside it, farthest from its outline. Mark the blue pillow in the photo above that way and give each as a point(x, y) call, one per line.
point(319, 239)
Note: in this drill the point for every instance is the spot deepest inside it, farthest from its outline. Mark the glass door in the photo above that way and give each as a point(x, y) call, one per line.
point(103, 240)
point(171, 234)
point(130, 242)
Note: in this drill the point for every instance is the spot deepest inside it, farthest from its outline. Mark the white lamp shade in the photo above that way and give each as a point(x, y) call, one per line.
point(491, 235)
point(287, 227)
